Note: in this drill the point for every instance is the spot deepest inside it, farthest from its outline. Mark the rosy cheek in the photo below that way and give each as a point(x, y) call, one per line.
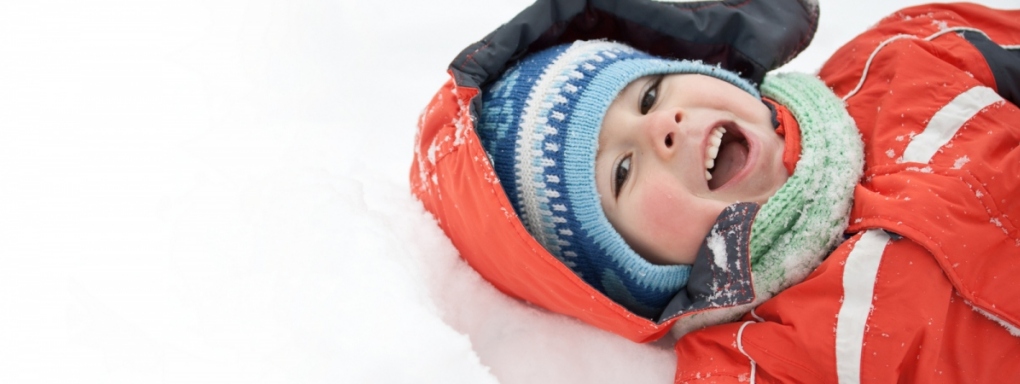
point(664, 213)
point(660, 209)
point(672, 221)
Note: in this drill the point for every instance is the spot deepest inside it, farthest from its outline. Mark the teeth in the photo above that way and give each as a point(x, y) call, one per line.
point(714, 141)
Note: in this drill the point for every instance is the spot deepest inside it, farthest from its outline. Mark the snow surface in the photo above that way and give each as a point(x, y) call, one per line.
point(216, 191)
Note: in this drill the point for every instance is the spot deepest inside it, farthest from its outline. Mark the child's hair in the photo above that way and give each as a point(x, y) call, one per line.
point(540, 126)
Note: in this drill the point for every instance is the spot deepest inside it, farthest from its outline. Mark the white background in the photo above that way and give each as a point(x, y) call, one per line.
point(216, 191)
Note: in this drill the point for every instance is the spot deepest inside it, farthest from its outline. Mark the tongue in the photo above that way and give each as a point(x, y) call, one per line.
point(731, 159)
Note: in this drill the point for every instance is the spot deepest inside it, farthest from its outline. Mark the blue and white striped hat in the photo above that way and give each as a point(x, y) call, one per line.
point(540, 126)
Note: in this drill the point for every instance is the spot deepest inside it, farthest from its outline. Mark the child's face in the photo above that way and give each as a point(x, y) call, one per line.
point(651, 171)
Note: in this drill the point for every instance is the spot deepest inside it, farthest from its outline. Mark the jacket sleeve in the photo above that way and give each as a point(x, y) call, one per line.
point(740, 35)
point(994, 33)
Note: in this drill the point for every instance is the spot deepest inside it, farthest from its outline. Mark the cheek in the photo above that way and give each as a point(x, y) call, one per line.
point(660, 208)
point(669, 218)
point(673, 223)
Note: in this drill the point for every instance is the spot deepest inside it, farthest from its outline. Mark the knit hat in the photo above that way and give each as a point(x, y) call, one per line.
point(540, 126)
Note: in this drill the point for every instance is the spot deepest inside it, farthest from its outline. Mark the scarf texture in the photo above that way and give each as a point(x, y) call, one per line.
point(806, 218)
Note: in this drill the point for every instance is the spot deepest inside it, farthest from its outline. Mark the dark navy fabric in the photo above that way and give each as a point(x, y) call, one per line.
point(749, 37)
point(1005, 65)
point(712, 285)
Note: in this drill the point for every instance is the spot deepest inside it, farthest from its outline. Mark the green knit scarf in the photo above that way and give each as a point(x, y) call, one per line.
point(805, 219)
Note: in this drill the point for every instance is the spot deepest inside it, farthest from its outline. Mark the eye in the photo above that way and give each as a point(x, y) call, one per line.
point(650, 95)
point(620, 175)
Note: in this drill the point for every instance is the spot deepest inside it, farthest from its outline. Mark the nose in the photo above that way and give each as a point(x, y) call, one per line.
point(663, 132)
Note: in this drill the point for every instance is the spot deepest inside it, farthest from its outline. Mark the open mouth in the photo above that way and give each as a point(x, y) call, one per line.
point(725, 156)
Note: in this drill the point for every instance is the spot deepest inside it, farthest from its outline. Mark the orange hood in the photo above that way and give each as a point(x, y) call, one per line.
point(452, 175)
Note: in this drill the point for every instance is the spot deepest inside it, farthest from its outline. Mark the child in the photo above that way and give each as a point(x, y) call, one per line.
point(624, 184)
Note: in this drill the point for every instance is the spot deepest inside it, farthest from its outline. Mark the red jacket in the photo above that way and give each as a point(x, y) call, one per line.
point(924, 291)
point(935, 243)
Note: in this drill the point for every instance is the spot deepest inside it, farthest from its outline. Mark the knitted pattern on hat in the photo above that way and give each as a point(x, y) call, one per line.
point(799, 225)
point(540, 125)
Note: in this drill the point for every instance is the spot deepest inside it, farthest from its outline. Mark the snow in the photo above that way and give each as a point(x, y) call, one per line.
point(1012, 330)
point(217, 191)
point(717, 244)
point(960, 161)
